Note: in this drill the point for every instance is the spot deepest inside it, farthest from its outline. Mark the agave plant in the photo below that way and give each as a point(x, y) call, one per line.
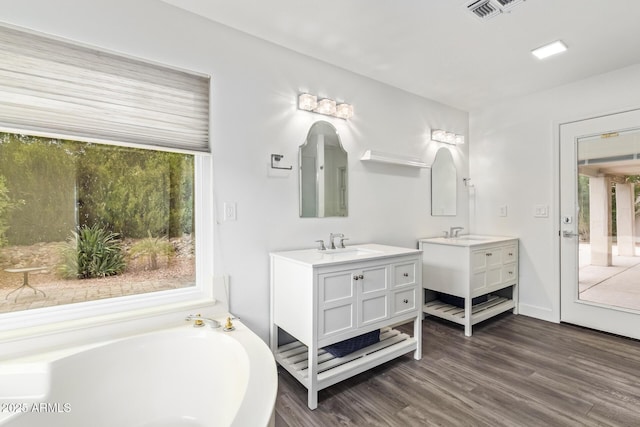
point(92, 252)
point(152, 248)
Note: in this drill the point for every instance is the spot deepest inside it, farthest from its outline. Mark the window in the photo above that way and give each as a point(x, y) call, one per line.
point(105, 179)
point(82, 222)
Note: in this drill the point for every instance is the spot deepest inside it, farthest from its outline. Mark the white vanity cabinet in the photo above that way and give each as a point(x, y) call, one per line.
point(469, 267)
point(324, 297)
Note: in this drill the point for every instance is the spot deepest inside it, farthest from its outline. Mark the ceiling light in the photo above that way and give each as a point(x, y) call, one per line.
point(549, 49)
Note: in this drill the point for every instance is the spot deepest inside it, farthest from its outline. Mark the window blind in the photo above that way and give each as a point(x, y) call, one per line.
point(56, 88)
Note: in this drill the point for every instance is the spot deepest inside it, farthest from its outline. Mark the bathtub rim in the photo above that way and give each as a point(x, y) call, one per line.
point(262, 379)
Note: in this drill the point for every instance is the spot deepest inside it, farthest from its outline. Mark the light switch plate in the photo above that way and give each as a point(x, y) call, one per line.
point(541, 211)
point(502, 210)
point(230, 213)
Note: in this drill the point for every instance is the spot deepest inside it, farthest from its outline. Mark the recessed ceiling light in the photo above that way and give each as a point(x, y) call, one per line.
point(549, 49)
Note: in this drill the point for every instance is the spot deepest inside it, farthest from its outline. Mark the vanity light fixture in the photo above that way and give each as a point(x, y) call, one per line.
point(325, 106)
point(549, 49)
point(446, 137)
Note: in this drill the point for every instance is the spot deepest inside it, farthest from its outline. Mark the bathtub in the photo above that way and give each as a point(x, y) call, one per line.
point(178, 377)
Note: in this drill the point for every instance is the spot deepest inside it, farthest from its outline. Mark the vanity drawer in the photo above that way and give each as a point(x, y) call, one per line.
point(509, 254)
point(404, 274)
point(510, 273)
point(404, 301)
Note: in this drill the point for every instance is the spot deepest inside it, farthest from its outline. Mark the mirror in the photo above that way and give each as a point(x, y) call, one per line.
point(323, 173)
point(444, 192)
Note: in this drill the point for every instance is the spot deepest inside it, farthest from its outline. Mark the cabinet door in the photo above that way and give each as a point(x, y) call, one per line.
point(486, 267)
point(336, 303)
point(373, 294)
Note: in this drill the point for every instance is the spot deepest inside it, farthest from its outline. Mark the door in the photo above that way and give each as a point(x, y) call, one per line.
point(600, 272)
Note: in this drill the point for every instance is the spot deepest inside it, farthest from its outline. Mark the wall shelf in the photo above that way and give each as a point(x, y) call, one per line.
point(395, 159)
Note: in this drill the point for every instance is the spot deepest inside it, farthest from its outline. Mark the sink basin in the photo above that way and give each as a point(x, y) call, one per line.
point(348, 252)
point(475, 238)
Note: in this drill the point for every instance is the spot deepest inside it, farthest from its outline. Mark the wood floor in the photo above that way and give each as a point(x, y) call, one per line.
point(513, 371)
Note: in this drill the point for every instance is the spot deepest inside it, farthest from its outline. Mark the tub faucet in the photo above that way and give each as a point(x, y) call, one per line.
point(454, 231)
point(200, 321)
point(332, 236)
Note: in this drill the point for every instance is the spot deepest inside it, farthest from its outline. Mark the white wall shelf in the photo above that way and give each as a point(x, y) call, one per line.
point(396, 159)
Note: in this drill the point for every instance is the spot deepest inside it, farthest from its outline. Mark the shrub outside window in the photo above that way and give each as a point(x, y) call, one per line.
point(83, 221)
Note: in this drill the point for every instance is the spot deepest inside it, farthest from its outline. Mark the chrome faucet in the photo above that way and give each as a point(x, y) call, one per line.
point(332, 236)
point(200, 321)
point(454, 231)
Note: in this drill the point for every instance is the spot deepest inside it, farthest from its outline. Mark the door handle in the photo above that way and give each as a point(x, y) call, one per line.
point(568, 233)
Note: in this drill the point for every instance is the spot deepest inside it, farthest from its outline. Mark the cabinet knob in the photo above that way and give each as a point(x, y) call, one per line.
point(361, 277)
point(488, 254)
point(510, 253)
point(355, 277)
point(358, 277)
point(406, 274)
point(406, 301)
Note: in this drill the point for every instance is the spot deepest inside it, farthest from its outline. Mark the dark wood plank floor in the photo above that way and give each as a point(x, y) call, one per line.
point(514, 371)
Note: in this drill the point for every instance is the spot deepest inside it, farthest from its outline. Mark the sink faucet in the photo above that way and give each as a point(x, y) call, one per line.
point(332, 236)
point(454, 231)
point(200, 321)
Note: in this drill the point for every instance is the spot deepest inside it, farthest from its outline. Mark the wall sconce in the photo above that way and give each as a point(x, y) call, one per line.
point(446, 137)
point(325, 106)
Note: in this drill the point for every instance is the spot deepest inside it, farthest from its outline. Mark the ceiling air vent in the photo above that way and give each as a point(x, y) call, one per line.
point(485, 9)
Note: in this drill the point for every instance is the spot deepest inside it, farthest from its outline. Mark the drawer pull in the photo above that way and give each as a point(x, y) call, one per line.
point(510, 253)
point(488, 254)
point(406, 274)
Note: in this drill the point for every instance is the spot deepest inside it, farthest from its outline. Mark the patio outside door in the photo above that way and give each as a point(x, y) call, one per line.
point(600, 271)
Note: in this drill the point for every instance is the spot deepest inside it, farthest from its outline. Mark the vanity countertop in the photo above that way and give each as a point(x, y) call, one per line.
point(370, 251)
point(467, 240)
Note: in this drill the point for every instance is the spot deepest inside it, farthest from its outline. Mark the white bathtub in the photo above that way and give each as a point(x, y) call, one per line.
point(184, 376)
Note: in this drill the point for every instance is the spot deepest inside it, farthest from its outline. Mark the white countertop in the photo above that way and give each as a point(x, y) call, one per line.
point(467, 240)
point(370, 251)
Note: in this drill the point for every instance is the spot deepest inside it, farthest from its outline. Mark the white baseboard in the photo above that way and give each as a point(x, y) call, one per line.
point(542, 313)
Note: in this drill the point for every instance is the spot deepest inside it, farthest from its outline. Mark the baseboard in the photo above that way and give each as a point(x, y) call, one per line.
point(542, 313)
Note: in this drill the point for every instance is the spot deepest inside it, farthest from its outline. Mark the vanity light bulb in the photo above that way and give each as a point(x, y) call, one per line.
point(326, 106)
point(438, 135)
point(450, 138)
point(459, 139)
point(307, 102)
point(344, 111)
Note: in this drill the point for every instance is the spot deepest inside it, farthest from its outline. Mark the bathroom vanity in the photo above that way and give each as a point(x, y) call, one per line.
point(322, 297)
point(468, 267)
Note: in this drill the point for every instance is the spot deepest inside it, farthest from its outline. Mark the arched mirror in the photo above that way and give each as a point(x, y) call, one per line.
point(323, 173)
point(444, 188)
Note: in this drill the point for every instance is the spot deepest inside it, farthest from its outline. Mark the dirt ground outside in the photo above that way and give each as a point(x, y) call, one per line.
point(175, 272)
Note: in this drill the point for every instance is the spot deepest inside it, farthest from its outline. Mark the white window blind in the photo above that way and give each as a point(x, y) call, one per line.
point(56, 88)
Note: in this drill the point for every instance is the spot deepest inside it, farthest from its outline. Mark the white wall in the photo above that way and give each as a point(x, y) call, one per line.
point(513, 161)
point(253, 114)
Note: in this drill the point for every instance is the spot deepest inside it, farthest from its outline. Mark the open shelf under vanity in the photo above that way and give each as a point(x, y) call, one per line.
point(294, 358)
point(482, 311)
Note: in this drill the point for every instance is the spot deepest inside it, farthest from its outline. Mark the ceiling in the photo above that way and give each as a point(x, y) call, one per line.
point(440, 50)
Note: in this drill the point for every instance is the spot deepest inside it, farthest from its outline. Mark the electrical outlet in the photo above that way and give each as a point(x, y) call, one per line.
point(230, 213)
point(502, 210)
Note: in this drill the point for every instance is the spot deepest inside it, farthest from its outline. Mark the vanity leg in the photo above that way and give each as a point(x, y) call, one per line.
point(467, 316)
point(312, 394)
point(417, 335)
